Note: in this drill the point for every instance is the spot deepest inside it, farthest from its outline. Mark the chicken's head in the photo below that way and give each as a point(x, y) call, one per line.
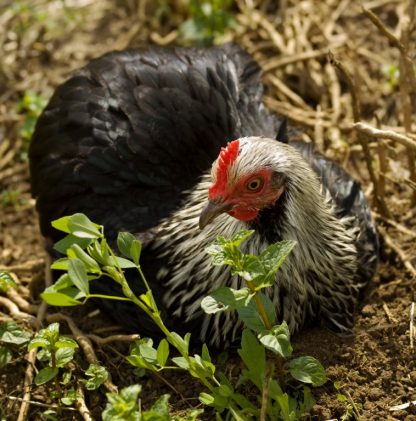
point(245, 181)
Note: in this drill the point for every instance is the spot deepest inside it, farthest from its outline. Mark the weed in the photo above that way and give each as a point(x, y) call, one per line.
point(57, 352)
point(11, 197)
point(352, 409)
point(208, 23)
point(31, 106)
point(12, 338)
point(125, 406)
point(89, 257)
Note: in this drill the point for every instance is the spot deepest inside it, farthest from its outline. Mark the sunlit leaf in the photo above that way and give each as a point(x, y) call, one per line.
point(308, 370)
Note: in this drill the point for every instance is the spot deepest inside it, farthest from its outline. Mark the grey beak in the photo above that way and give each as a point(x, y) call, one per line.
point(211, 211)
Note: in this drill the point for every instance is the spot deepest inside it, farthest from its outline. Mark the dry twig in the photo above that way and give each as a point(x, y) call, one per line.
point(385, 134)
point(399, 251)
point(381, 204)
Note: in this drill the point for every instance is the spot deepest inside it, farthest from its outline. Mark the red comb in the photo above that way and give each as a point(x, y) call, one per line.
point(227, 157)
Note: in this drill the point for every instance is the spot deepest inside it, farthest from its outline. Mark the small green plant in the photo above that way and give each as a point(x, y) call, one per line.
point(352, 409)
point(28, 14)
point(208, 22)
point(11, 198)
point(281, 396)
point(56, 350)
point(31, 105)
point(6, 281)
point(125, 406)
point(392, 74)
point(12, 338)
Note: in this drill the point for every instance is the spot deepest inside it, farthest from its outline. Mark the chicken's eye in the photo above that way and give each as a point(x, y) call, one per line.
point(255, 184)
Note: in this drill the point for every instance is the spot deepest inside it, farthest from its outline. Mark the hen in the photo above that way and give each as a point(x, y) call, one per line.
point(130, 140)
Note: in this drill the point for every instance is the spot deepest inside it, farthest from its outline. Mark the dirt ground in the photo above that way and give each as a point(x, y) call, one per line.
point(42, 41)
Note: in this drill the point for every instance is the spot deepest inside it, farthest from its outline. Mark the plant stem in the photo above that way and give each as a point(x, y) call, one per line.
point(108, 297)
point(57, 385)
point(260, 307)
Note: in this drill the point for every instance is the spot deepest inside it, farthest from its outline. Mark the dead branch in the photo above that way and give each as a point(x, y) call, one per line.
point(399, 251)
point(385, 134)
point(82, 406)
point(113, 338)
point(24, 409)
point(381, 204)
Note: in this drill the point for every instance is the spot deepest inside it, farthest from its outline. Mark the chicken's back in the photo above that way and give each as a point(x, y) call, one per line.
point(127, 136)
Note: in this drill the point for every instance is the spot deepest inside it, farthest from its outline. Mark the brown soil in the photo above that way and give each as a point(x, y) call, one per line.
point(376, 365)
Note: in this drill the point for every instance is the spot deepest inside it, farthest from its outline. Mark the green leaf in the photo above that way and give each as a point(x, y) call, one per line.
point(65, 342)
point(99, 252)
point(250, 314)
point(225, 390)
point(123, 263)
point(307, 370)
point(51, 333)
point(45, 375)
point(80, 226)
point(225, 298)
point(64, 356)
point(147, 351)
point(136, 360)
point(202, 368)
point(226, 252)
point(159, 410)
point(66, 377)
point(124, 241)
point(135, 251)
point(241, 236)
point(59, 299)
point(97, 376)
point(129, 246)
point(253, 355)
point(206, 398)
point(70, 397)
point(181, 344)
point(270, 261)
point(12, 333)
point(251, 317)
point(142, 354)
point(60, 264)
point(6, 356)
point(277, 340)
point(6, 281)
point(149, 300)
point(124, 405)
point(181, 362)
point(162, 352)
point(286, 413)
point(61, 224)
point(68, 241)
point(90, 264)
point(78, 275)
point(38, 343)
point(205, 353)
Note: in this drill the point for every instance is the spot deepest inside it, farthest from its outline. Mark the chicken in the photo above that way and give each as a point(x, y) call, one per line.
point(130, 140)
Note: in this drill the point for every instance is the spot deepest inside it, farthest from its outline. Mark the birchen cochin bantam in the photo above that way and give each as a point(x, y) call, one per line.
point(176, 146)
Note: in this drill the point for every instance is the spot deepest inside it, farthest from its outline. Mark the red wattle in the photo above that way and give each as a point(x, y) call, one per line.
point(243, 214)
